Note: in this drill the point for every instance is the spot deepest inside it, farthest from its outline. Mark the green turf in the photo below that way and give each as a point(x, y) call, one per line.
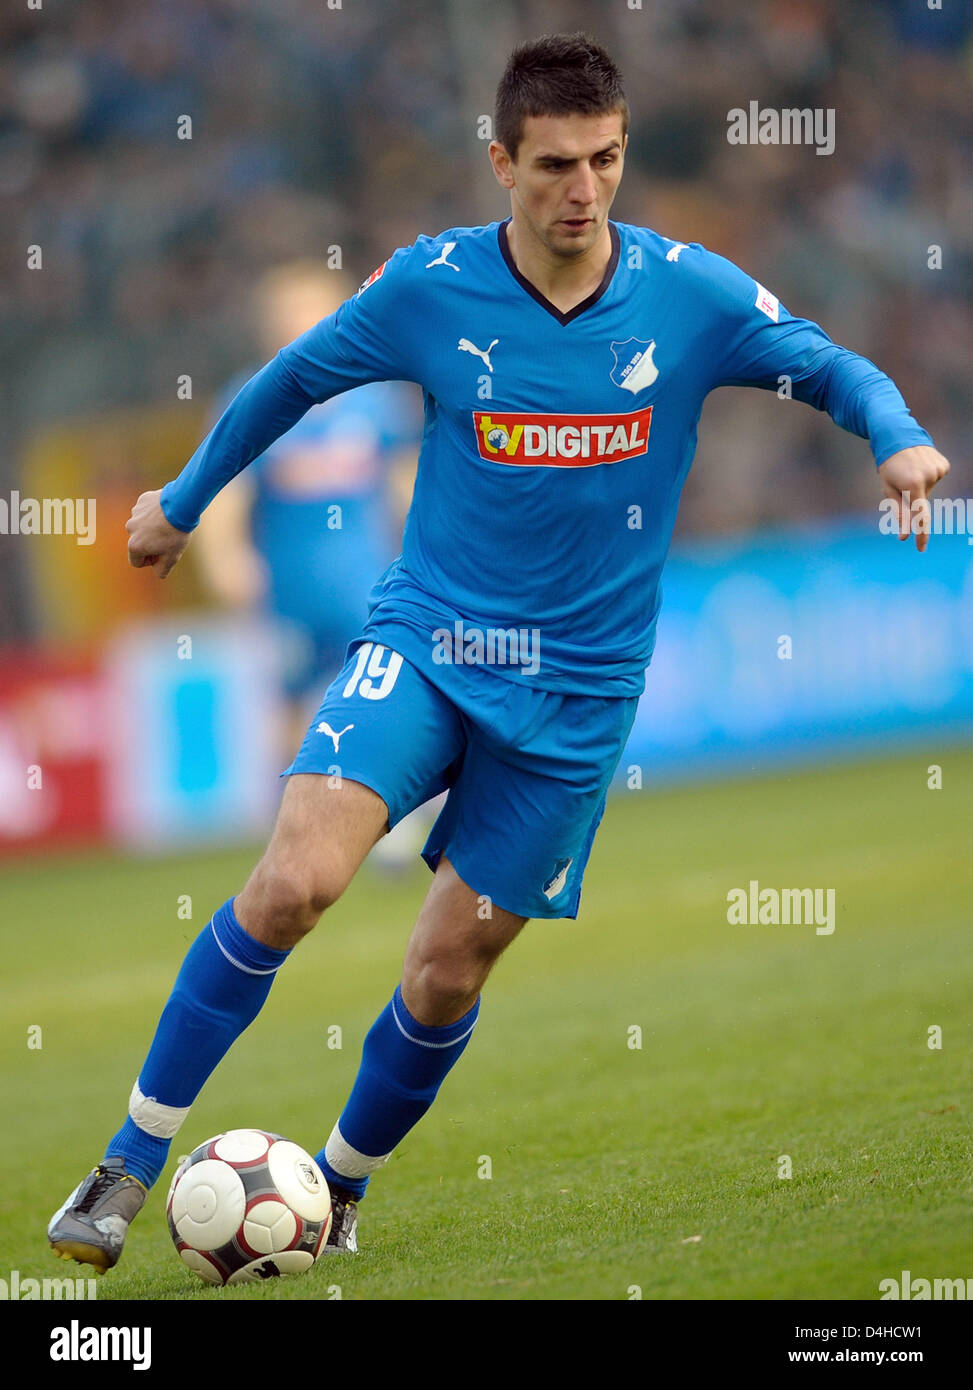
point(612, 1167)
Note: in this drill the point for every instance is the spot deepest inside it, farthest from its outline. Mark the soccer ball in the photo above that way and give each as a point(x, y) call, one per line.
point(248, 1205)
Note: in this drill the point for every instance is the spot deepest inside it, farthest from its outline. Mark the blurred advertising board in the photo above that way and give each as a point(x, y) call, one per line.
point(193, 751)
point(805, 643)
point(82, 587)
point(52, 749)
point(166, 737)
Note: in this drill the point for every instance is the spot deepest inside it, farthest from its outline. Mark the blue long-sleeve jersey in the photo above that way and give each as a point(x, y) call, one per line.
point(556, 444)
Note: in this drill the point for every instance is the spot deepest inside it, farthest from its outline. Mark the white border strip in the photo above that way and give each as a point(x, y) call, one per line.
point(421, 1042)
point(348, 1161)
point(162, 1121)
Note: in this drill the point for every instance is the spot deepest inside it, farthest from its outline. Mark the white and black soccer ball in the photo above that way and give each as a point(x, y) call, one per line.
point(248, 1205)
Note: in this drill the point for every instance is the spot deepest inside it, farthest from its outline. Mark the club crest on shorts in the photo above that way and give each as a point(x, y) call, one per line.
point(634, 368)
point(558, 879)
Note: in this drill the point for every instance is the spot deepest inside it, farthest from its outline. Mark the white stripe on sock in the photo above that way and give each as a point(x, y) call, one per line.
point(162, 1121)
point(421, 1042)
point(247, 970)
point(348, 1161)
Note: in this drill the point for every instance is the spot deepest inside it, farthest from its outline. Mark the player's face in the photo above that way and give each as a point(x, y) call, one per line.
point(565, 177)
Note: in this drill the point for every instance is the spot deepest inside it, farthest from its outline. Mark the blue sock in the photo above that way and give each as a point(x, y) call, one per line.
point(219, 991)
point(403, 1065)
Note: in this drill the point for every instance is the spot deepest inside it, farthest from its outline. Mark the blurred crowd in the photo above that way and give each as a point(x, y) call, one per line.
point(357, 125)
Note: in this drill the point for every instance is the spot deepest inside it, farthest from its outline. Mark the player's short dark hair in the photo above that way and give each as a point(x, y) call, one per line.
point(557, 75)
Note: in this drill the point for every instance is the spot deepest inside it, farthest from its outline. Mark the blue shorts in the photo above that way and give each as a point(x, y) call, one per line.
point(527, 770)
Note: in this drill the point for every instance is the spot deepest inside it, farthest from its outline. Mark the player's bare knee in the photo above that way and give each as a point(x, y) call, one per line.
point(442, 982)
point(281, 903)
point(309, 891)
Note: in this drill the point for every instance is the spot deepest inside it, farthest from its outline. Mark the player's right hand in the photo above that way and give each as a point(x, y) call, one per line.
point(152, 540)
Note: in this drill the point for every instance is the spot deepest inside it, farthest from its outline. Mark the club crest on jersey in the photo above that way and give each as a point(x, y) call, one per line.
point(562, 441)
point(556, 883)
point(376, 274)
point(634, 369)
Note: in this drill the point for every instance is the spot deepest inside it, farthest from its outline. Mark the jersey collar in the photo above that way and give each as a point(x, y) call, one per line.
point(541, 299)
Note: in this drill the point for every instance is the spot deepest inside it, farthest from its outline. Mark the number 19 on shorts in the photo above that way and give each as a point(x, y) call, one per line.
point(371, 666)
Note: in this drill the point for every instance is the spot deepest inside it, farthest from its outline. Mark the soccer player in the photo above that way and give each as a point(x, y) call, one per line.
point(301, 534)
point(564, 359)
point(315, 515)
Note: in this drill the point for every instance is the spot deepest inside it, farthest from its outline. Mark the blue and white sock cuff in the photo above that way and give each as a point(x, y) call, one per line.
point(424, 1036)
point(162, 1121)
point(241, 949)
point(349, 1162)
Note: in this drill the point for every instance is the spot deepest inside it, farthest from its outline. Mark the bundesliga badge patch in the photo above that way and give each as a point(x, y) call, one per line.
point(634, 368)
point(375, 275)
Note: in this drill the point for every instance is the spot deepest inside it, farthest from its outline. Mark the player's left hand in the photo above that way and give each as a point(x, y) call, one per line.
point(908, 477)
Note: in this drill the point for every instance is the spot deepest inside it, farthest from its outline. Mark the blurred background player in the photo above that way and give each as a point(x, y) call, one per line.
point(303, 533)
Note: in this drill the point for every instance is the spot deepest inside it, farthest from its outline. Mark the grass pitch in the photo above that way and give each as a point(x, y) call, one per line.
point(615, 1169)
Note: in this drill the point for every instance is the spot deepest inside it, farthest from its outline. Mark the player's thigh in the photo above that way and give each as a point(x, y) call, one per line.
point(383, 741)
point(322, 834)
point(458, 926)
point(384, 725)
point(329, 823)
point(520, 821)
